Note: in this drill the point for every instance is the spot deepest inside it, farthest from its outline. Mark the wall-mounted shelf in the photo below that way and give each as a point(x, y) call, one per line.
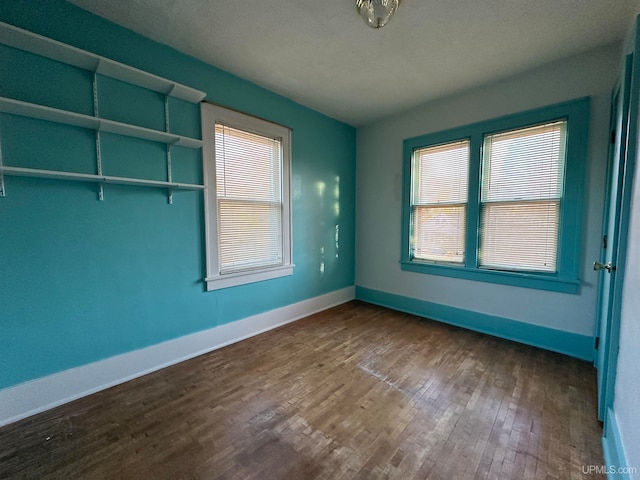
point(47, 47)
point(32, 110)
point(88, 177)
point(98, 65)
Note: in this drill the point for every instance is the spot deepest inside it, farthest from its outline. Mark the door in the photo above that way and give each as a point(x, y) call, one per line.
point(607, 264)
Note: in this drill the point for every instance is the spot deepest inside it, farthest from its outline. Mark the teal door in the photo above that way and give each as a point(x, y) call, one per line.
point(607, 264)
point(611, 264)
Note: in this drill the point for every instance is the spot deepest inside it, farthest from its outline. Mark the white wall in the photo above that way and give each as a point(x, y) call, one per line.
point(379, 171)
point(627, 391)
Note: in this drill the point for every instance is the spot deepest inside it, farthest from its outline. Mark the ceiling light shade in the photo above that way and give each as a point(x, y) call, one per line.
point(377, 13)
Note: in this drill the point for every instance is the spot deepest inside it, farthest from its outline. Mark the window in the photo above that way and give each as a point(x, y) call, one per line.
point(247, 171)
point(521, 189)
point(439, 202)
point(499, 201)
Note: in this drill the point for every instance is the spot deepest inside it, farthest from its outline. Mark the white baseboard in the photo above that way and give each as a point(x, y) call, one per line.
point(38, 395)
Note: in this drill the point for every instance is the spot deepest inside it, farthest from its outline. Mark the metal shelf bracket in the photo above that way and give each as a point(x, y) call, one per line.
point(2, 191)
point(98, 149)
point(168, 130)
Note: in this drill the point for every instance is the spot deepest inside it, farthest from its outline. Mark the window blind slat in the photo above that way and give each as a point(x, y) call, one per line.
point(522, 187)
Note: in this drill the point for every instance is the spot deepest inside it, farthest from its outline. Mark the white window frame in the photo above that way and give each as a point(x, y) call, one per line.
point(211, 115)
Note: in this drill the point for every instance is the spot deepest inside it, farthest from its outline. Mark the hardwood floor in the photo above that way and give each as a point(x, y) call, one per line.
point(356, 392)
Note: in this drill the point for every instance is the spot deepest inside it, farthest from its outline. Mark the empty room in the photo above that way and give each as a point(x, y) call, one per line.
point(348, 239)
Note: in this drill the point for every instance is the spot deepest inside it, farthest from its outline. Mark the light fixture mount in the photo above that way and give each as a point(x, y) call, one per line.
point(377, 13)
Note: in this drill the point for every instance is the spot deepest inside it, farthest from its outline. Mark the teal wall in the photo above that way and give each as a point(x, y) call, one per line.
point(82, 280)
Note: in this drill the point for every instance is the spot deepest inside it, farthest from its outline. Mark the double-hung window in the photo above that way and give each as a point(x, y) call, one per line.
point(521, 190)
point(247, 171)
point(499, 201)
point(439, 202)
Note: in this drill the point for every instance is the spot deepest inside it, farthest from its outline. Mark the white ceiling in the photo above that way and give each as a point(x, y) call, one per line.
point(322, 55)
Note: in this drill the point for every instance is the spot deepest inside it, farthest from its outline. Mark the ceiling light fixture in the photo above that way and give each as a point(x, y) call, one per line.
point(377, 13)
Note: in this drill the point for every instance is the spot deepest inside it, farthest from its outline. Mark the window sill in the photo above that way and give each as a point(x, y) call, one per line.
point(218, 282)
point(528, 280)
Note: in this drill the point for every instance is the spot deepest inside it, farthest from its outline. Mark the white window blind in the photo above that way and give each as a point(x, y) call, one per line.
point(521, 191)
point(249, 200)
point(439, 202)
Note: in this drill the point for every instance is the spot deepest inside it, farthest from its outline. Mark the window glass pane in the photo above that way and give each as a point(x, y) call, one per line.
point(250, 235)
point(440, 174)
point(247, 165)
point(439, 233)
point(520, 236)
point(524, 164)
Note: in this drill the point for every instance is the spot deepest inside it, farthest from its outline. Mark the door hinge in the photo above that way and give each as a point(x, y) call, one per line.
point(597, 342)
point(613, 136)
point(604, 241)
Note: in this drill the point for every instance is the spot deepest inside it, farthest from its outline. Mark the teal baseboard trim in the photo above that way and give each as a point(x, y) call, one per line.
point(567, 343)
point(616, 466)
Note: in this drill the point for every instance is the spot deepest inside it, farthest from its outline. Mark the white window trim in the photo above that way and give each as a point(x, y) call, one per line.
point(210, 115)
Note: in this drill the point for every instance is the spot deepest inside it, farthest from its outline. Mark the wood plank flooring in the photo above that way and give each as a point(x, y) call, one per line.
point(356, 392)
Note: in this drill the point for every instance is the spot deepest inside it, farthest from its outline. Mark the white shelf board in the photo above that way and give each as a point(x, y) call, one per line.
point(41, 112)
point(88, 177)
point(26, 109)
point(55, 50)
